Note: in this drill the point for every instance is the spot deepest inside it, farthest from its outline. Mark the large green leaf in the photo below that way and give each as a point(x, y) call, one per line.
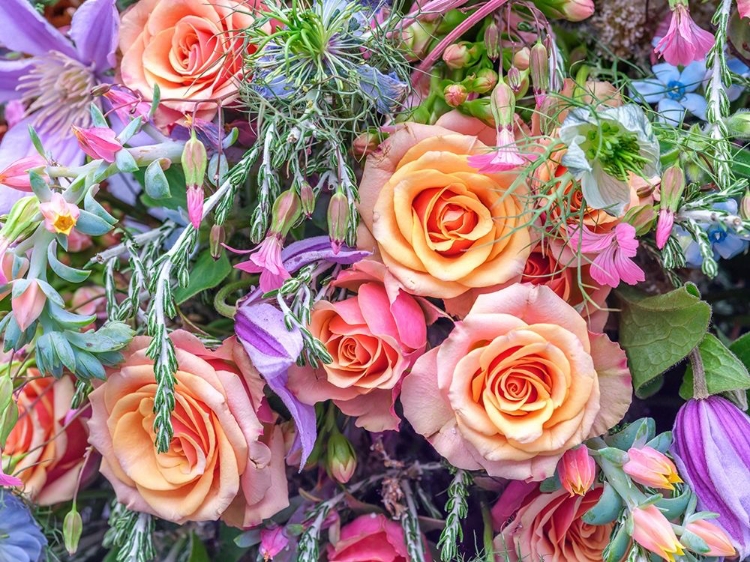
point(659, 331)
point(724, 370)
point(176, 181)
point(206, 274)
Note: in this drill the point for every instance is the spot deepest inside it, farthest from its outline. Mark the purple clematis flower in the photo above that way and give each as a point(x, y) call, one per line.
point(55, 79)
point(712, 451)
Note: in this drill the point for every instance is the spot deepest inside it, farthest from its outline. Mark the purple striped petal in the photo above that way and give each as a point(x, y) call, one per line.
point(712, 451)
point(273, 349)
point(94, 30)
point(299, 254)
point(10, 72)
point(23, 29)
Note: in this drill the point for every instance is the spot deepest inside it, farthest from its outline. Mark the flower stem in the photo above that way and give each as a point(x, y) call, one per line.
point(700, 388)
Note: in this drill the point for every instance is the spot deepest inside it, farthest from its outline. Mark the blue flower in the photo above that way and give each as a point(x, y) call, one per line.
point(385, 90)
point(724, 243)
point(673, 91)
point(21, 539)
point(741, 69)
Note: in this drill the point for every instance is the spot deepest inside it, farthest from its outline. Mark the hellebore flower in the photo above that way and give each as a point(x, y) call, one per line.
point(712, 451)
point(685, 42)
point(673, 91)
point(21, 539)
point(55, 82)
point(604, 148)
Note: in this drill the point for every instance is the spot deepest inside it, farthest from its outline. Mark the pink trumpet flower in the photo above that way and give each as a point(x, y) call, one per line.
point(684, 42)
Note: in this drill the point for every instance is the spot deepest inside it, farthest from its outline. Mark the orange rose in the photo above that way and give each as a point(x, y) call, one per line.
point(548, 527)
point(517, 383)
point(441, 227)
point(45, 450)
point(223, 461)
point(193, 49)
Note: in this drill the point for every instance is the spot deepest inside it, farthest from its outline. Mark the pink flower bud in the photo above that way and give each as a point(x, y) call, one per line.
point(272, 541)
point(503, 105)
point(515, 81)
point(16, 175)
point(341, 459)
point(571, 10)
point(286, 212)
point(485, 81)
point(672, 187)
point(59, 216)
point(715, 537)
point(98, 142)
point(195, 197)
point(307, 198)
point(577, 471)
point(457, 56)
point(653, 532)
point(455, 95)
point(365, 144)
point(126, 105)
point(492, 41)
point(522, 59)
point(649, 467)
point(539, 62)
point(27, 307)
point(338, 220)
point(664, 227)
point(216, 240)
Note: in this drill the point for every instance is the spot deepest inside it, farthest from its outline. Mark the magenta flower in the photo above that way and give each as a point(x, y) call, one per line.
point(685, 42)
point(664, 225)
point(98, 142)
point(614, 251)
point(55, 81)
point(504, 158)
point(266, 260)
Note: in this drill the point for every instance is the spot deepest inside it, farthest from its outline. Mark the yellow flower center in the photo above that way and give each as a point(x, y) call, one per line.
point(64, 224)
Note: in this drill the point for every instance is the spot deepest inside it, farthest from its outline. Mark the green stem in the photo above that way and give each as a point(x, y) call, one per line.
point(220, 303)
point(487, 535)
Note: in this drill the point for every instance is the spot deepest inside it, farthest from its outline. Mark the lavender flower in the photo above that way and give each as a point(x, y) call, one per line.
point(712, 451)
point(55, 82)
point(673, 91)
point(21, 539)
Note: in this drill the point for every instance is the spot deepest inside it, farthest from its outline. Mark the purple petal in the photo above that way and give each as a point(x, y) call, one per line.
point(712, 452)
point(273, 349)
point(299, 254)
point(10, 72)
point(94, 30)
point(23, 29)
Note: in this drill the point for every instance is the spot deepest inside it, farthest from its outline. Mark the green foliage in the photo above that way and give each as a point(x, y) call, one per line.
point(659, 331)
point(207, 273)
point(724, 370)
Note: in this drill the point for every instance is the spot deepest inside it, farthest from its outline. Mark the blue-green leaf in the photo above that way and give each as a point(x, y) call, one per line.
point(90, 224)
point(155, 182)
point(68, 273)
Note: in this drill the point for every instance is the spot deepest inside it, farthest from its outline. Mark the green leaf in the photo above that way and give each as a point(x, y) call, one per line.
point(70, 274)
point(89, 223)
point(658, 332)
point(724, 370)
point(198, 552)
point(206, 274)
point(156, 183)
point(113, 336)
point(176, 179)
point(741, 348)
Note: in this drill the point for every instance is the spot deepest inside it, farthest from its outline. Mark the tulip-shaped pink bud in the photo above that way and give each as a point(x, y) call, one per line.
point(653, 532)
point(285, 213)
point(492, 41)
point(684, 42)
point(522, 59)
point(16, 175)
point(460, 55)
point(272, 542)
point(455, 94)
point(338, 220)
point(577, 471)
point(716, 539)
point(672, 187)
point(27, 306)
point(194, 162)
point(652, 468)
point(59, 216)
point(98, 142)
point(341, 460)
point(539, 62)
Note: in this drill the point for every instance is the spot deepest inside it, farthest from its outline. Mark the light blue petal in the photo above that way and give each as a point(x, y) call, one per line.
point(666, 73)
point(729, 206)
point(670, 112)
point(737, 66)
point(693, 257)
point(695, 104)
point(731, 246)
point(692, 75)
point(650, 91)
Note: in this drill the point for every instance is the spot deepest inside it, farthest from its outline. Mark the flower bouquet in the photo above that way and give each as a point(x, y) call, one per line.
point(343, 280)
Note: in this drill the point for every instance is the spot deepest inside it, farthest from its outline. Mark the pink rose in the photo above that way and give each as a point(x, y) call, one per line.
point(46, 447)
point(226, 459)
point(193, 49)
point(373, 337)
point(517, 383)
point(547, 527)
point(371, 537)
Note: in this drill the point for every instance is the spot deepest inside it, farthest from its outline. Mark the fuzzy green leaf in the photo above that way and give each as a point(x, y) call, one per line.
point(724, 370)
point(658, 332)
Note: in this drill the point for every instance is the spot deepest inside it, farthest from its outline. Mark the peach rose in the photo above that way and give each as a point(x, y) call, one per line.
point(548, 527)
point(441, 227)
point(226, 459)
point(517, 383)
point(193, 49)
point(371, 537)
point(373, 338)
point(45, 449)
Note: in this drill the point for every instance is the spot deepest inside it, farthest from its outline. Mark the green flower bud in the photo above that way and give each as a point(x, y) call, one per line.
point(22, 219)
point(215, 241)
point(539, 64)
point(738, 125)
point(492, 41)
point(286, 211)
point(307, 198)
point(72, 530)
point(194, 161)
point(745, 206)
point(642, 218)
point(338, 220)
point(341, 460)
point(672, 188)
point(484, 81)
